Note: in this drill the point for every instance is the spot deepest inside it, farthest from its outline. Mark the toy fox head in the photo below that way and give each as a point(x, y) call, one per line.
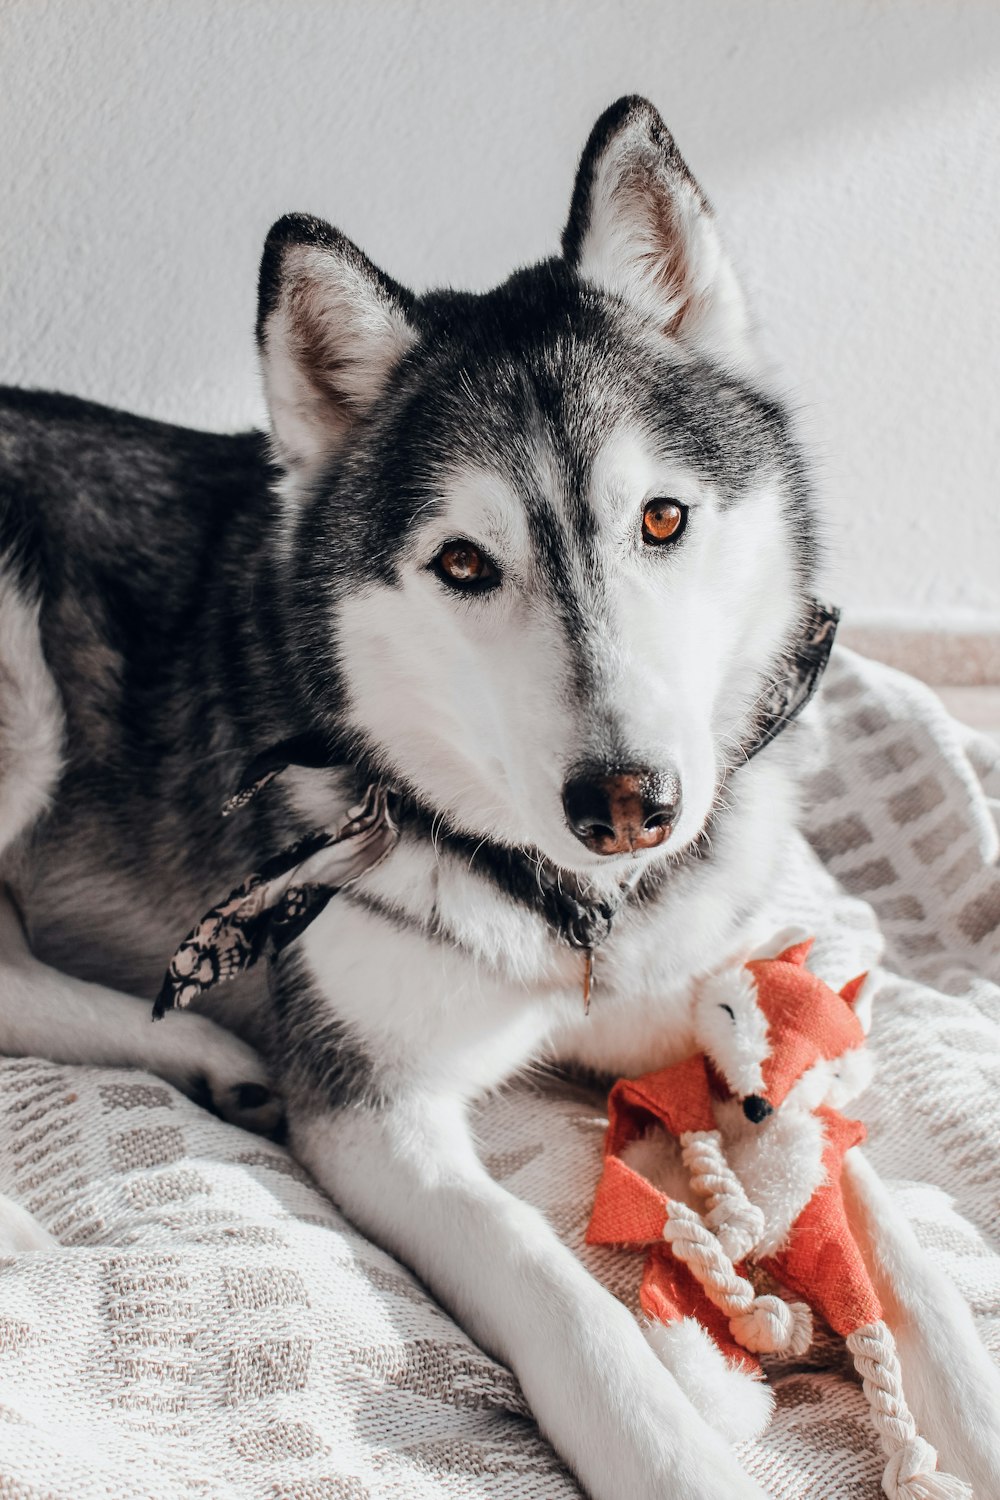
point(772, 1029)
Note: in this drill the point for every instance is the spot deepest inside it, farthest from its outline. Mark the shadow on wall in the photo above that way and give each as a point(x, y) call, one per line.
point(440, 135)
point(783, 71)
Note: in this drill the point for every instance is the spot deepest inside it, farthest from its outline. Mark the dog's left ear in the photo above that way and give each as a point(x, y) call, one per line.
point(330, 327)
point(640, 228)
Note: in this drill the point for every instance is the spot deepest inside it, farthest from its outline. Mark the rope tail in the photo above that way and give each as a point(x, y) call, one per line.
point(912, 1472)
point(764, 1325)
point(738, 1223)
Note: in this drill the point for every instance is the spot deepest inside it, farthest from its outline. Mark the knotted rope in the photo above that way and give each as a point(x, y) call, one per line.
point(764, 1325)
point(738, 1223)
point(912, 1472)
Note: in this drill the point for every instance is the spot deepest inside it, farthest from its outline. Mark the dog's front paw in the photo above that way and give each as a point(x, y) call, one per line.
point(662, 1435)
point(218, 1071)
point(251, 1103)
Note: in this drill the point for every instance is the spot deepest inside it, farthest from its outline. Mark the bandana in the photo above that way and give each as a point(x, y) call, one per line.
point(272, 907)
point(804, 666)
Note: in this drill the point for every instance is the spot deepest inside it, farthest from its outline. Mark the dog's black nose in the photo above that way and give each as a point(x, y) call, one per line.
point(619, 811)
point(756, 1109)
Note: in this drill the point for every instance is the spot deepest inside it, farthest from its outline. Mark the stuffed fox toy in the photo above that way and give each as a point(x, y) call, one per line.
point(727, 1166)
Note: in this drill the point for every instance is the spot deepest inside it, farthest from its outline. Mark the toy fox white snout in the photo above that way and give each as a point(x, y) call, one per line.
point(736, 1155)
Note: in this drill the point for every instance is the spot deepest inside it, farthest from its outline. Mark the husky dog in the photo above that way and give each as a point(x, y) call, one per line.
point(532, 559)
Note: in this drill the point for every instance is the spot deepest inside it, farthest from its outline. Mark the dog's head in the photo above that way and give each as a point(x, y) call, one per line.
point(546, 545)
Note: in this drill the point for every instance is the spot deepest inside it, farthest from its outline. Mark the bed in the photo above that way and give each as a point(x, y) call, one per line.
point(213, 1327)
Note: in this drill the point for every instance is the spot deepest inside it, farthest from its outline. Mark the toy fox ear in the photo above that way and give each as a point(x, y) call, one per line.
point(786, 946)
point(859, 994)
point(796, 953)
point(852, 989)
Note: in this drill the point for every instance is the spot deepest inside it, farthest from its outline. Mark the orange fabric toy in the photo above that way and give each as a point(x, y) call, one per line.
point(728, 1165)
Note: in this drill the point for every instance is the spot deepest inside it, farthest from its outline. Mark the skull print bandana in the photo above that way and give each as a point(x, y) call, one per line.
point(272, 907)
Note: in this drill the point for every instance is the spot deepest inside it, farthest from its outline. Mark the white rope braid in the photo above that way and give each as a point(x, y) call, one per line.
point(764, 1325)
point(738, 1223)
point(912, 1472)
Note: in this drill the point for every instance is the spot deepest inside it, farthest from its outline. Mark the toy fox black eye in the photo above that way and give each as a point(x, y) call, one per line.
point(663, 521)
point(462, 565)
point(729, 1011)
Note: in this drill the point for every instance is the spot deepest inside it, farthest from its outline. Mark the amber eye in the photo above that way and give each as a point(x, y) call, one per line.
point(461, 565)
point(663, 521)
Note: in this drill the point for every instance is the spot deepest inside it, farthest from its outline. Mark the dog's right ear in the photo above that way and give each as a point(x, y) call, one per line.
point(640, 228)
point(330, 329)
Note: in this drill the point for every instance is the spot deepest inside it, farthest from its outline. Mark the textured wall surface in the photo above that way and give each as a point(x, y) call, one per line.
point(852, 149)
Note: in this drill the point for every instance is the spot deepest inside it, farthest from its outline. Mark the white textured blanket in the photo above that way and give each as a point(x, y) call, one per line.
point(213, 1328)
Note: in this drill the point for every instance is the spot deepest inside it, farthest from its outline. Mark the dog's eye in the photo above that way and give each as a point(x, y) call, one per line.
point(462, 565)
point(663, 521)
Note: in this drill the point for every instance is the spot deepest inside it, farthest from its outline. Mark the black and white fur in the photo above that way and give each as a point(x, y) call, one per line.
point(172, 603)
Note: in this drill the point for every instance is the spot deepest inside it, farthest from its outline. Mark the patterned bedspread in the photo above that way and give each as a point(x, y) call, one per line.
point(214, 1328)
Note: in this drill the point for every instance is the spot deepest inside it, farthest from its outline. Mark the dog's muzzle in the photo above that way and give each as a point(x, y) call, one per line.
point(623, 810)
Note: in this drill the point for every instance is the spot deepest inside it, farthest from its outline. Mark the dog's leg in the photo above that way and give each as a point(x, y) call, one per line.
point(47, 1014)
point(408, 1175)
point(951, 1383)
point(44, 1013)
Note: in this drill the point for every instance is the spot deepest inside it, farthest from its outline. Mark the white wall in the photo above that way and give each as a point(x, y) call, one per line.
point(852, 148)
